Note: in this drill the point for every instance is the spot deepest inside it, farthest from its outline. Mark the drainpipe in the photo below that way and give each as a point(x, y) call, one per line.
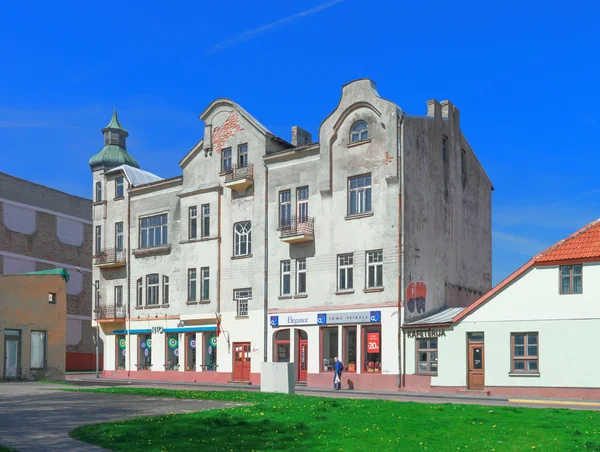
point(266, 267)
point(401, 342)
point(128, 346)
point(220, 194)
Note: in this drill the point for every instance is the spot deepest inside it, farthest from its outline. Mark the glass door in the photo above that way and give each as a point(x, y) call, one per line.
point(12, 353)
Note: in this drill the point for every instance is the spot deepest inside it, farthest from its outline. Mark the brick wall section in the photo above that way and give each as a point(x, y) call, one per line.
point(225, 132)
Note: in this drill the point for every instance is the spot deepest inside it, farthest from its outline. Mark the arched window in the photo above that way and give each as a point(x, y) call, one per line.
point(360, 132)
point(282, 346)
point(242, 239)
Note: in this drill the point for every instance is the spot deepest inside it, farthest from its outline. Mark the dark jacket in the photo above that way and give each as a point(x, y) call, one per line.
point(339, 366)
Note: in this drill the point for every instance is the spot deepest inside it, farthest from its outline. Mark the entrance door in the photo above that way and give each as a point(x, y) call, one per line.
point(12, 353)
point(476, 366)
point(303, 358)
point(241, 361)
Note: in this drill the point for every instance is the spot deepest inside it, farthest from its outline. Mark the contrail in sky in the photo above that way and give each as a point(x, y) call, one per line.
point(246, 35)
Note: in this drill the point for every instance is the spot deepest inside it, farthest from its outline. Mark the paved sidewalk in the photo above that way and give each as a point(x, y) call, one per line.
point(35, 417)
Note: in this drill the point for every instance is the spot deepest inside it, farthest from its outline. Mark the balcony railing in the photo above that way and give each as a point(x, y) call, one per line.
point(111, 312)
point(240, 172)
point(110, 257)
point(297, 229)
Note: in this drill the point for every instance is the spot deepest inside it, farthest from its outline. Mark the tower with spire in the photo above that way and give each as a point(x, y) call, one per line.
point(114, 152)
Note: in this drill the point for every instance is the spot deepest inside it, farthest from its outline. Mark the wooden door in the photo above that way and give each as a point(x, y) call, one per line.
point(241, 361)
point(476, 366)
point(302, 360)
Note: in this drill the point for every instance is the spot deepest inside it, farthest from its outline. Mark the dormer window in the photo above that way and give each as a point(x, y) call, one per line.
point(360, 132)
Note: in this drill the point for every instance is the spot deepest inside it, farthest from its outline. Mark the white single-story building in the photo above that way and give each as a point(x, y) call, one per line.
point(529, 336)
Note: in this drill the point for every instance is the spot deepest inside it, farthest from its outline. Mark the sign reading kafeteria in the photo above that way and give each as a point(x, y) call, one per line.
point(437, 332)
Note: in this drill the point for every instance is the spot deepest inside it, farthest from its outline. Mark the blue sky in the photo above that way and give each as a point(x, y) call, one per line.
point(523, 74)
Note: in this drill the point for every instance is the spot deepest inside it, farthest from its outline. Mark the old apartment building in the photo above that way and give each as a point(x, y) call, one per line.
point(42, 229)
point(299, 251)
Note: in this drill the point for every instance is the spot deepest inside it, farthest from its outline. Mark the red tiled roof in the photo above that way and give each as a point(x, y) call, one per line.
point(584, 244)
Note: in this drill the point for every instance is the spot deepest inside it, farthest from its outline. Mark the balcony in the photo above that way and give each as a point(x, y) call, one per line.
point(110, 257)
point(240, 177)
point(111, 312)
point(297, 230)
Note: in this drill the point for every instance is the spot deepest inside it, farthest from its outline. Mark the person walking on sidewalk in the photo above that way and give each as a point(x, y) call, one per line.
point(337, 374)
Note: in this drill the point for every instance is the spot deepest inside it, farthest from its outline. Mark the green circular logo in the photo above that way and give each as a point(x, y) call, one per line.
point(213, 341)
point(122, 343)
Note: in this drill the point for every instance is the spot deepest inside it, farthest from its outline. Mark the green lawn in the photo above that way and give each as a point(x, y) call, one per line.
point(281, 422)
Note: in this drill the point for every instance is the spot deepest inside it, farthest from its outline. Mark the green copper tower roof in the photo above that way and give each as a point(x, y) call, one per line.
point(114, 153)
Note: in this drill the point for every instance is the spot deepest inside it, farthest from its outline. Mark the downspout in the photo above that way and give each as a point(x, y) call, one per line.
point(129, 348)
point(266, 267)
point(401, 338)
point(220, 194)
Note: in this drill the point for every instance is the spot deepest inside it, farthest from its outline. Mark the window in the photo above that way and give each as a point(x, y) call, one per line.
point(282, 346)
point(302, 204)
point(193, 223)
point(444, 149)
point(371, 348)
point(209, 341)
point(241, 297)
point(301, 276)
point(98, 191)
point(139, 299)
point(190, 353)
point(153, 231)
point(38, 350)
point(374, 269)
point(243, 155)
point(359, 195)
point(285, 208)
point(243, 239)
point(172, 352)
point(152, 290)
point(97, 293)
point(427, 355)
point(119, 296)
point(119, 191)
point(463, 162)
point(145, 352)
point(360, 132)
point(525, 353)
point(205, 284)
point(52, 298)
point(349, 348)
point(191, 284)
point(98, 239)
point(205, 220)
point(119, 236)
point(226, 160)
point(345, 272)
point(329, 347)
point(165, 290)
point(121, 352)
point(286, 278)
point(571, 279)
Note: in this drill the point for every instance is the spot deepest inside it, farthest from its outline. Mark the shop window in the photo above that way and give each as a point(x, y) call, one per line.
point(371, 348)
point(329, 347)
point(121, 352)
point(172, 352)
point(190, 354)
point(145, 352)
point(210, 351)
point(349, 359)
point(525, 353)
point(427, 355)
point(282, 346)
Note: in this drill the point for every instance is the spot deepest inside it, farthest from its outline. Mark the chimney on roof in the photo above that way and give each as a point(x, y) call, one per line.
point(300, 137)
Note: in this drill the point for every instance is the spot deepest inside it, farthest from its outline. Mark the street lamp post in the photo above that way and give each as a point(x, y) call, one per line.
point(96, 311)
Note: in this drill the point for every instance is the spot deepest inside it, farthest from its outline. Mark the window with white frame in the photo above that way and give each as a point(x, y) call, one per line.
point(98, 191)
point(301, 276)
point(226, 160)
point(139, 299)
point(165, 290)
point(98, 239)
point(192, 284)
point(302, 204)
point(243, 155)
point(427, 355)
point(285, 208)
point(205, 220)
point(152, 286)
point(119, 296)
point(286, 278)
point(205, 295)
point(359, 194)
point(374, 269)
point(345, 272)
point(192, 223)
point(242, 239)
point(153, 231)
point(119, 187)
point(119, 236)
point(359, 132)
point(242, 297)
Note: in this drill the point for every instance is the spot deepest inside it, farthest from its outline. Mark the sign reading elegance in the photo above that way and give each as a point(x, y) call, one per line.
point(426, 333)
point(325, 319)
point(293, 319)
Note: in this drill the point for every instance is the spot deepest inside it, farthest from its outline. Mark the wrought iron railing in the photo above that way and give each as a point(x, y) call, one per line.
point(238, 172)
point(110, 256)
point(107, 312)
point(296, 226)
